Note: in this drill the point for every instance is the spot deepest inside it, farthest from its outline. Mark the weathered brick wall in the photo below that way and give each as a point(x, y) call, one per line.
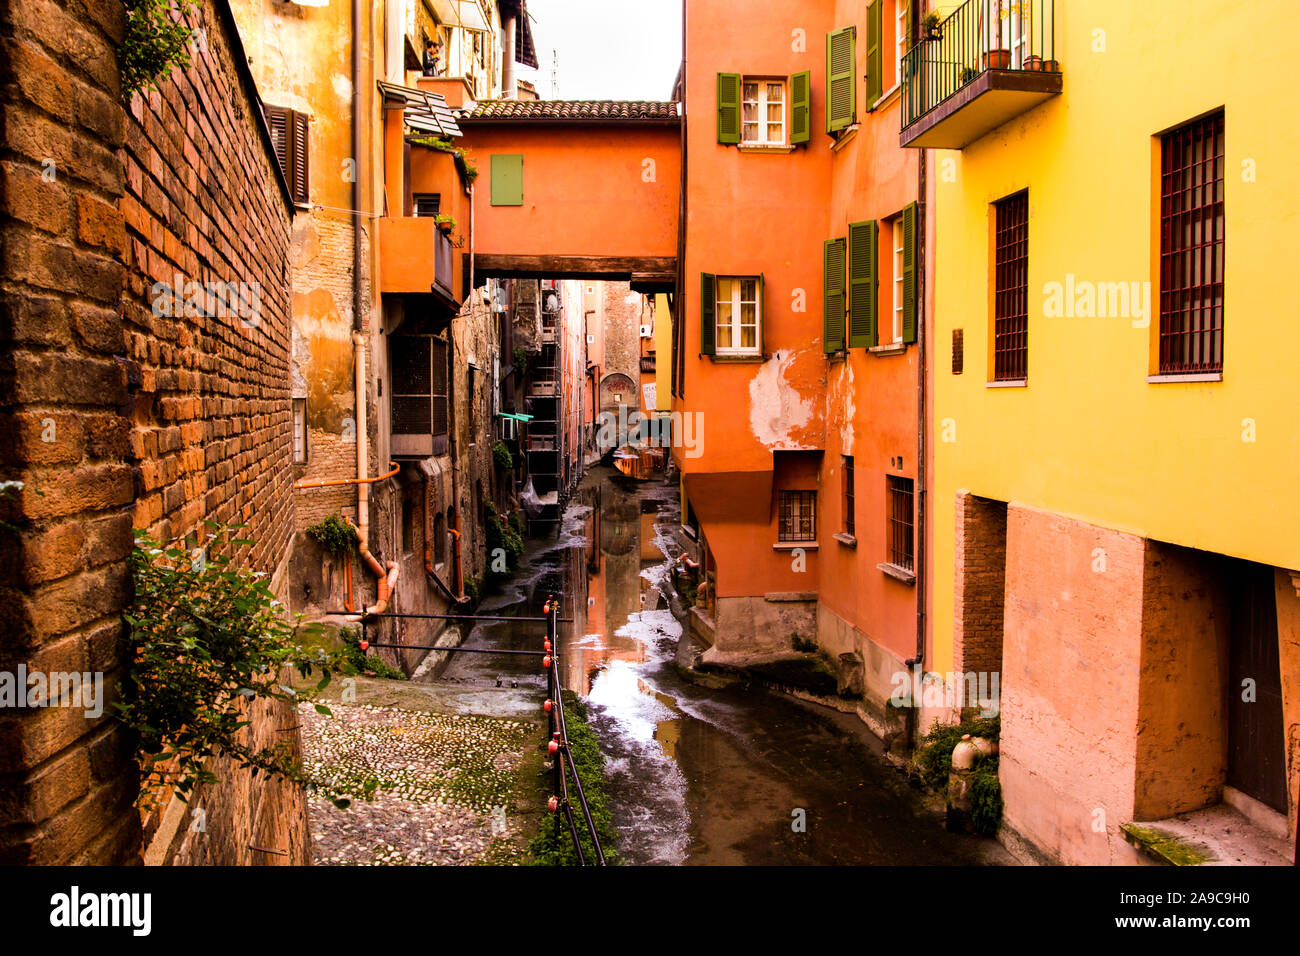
point(114, 415)
point(67, 782)
point(981, 565)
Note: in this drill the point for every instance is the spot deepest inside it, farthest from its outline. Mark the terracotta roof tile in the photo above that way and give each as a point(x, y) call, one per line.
point(573, 110)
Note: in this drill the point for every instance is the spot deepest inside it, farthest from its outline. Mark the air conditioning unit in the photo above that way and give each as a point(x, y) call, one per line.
point(647, 331)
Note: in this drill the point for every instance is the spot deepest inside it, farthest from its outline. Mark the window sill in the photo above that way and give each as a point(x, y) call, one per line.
point(795, 546)
point(1013, 383)
point(893, 348)
point(1174, 378)
point(886, 97)
point(846, 539)
point(898, 573)
point(839, 355)
point(847, 135)
point(759, 148)
point(756, 357)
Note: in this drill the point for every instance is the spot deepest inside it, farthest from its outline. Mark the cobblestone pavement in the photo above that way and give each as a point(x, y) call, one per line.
point(450, 788)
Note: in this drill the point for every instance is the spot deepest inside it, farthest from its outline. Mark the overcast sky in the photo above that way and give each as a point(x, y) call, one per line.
point(608, 49)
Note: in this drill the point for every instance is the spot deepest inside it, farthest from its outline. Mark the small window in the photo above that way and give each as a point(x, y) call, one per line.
point(898, 530)
point(896, 233)
point(798, 516)
point(763, 103)
point(1011, 289)
point(427, 205)
point(299, 430)
point(902, 35)
point(1191, 247)
point(848, 495)
point(738, 315)
point(289, 137)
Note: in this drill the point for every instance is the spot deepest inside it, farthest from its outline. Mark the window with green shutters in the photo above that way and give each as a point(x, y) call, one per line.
point(908, 221)
point(875, 51)
point(731, 316)
point(800, 107)
point(863, 284)
point(708, 313)
point(729, 108)
point(833, 268)
point(508, 179)
point(841, 83)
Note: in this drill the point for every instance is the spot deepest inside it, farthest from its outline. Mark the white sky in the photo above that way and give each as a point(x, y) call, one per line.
point(608, 49)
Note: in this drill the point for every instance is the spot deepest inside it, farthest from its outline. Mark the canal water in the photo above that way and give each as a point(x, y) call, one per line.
point(696, 775)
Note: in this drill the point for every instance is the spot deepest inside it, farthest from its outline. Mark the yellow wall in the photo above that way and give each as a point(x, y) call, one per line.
point(664, 355)
point(1089, 437)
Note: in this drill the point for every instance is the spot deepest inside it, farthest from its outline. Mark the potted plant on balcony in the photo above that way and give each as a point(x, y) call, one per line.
point(1038, 64)
point(931, 26)
point(997, 60)
point(445, 223)
point(967, 74)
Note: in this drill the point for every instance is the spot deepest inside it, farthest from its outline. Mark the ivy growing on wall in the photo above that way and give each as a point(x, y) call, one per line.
point(156, 42)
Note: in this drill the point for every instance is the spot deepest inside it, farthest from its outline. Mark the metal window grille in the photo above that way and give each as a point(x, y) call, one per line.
point(798, 516)
point(898, 529)
point(300, 430)
point(1191, 247)
point(848, 495)
point(1011, 289)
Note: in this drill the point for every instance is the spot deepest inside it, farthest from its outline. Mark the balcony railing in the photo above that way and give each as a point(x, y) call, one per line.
point(1003, 47)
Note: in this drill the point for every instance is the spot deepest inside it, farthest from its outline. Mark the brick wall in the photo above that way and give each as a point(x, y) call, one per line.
point(981, 565)
point(113, 415)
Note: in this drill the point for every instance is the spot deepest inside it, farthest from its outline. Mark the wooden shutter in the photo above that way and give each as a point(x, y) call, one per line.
point(298, 181)
point(729, 108)
point(833, 295)
point(277, 117)
point(863, 284)
point(800, 107)
point(411, 403)
point(908, 221)
point(875, 52)
point(762, 314)
point(841, 85)
point(708, 313)
point(507, 179)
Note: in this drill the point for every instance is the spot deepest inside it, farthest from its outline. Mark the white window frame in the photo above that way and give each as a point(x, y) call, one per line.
point(900, 38)
point(735, 301)
point(896, 242)
point(762, 104)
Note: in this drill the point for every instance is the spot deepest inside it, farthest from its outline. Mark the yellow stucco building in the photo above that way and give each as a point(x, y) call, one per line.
point(1116, 497)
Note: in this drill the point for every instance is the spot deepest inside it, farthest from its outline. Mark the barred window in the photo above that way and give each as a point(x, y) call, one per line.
point(798, 516)
point(1011, 289)
point(898, 530)
point(848, 494)
point(1191, 247)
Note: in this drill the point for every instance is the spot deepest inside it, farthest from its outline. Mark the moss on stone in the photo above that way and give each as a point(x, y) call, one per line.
point(1172, 849)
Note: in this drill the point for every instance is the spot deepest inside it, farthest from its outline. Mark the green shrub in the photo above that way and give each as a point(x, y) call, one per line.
point(986, 797)
point(501, 457)
point(501, 535)
point(934, 756)
point(335, 535)
point(362, 663)
point(553, 845)
point(521, 361)
point(207, 639)
point(155, 43)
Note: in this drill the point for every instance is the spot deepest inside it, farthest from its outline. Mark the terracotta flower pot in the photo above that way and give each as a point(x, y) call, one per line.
point(1038, 64)
point(997, 60)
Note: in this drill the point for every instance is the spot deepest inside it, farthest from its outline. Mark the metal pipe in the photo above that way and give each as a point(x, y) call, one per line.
point(466, 617)
point(457, 650)
point(921, 423)
point(334, 482)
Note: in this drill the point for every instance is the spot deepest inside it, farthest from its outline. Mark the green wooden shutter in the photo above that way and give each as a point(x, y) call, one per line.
point(908, 220)
point(800, 107)
point(833, 295)
point(875, 52)
point(729, 108)
point(762, 314)
point(841, 84)
point(508, 179)
point(708, 313)
point(863, 284)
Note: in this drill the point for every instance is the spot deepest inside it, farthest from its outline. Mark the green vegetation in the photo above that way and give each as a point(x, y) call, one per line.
point(335, 535)
point(362, 663)
point(1168, 847)
point(933, 761)
point(473, 589)
point(521, 361)
point(504, 536)
point(985, 797)
point(553, 845)
point(156, 43)
point(208, 639)
point(501, 457)
point(468, 171)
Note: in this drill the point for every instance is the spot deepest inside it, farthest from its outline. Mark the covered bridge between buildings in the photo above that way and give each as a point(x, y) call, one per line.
point(576, 189)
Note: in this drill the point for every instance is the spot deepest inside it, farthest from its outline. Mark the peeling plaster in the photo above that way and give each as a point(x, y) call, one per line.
point(776, 409)
point(839, 404)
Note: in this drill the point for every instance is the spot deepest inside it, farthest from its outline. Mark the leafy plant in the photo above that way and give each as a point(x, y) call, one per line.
point(335, 535)
point(553, 845)
point(930, 25)
point(448, 221)
point(521, 360)
point(968, 73)
point(359, 662)
point(934, 756)
point(985, 797)
point(468, 171)
point(156, 42)
point(473, 588)
point(208, 640)
point(500, 535)
point(501, 457)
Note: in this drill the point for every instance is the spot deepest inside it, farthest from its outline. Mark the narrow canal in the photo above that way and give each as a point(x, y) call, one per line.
point(697, 775)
